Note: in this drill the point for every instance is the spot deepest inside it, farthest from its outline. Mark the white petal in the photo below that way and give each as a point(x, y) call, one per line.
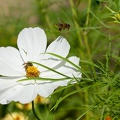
point(6, 83)
point(11, 90)
point(66, 69)
point(11, 63)
point(32, 42)
point(3, 101)
point(60, 47)
point(69, 69)
point(47, 89)
point(23, 93)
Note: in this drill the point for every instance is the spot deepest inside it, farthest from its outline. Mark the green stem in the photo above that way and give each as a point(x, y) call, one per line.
point(33, 109)
point(103, 110)
point(88, 12)
point(74, 14)
point(86, 39)
point(88, 51)
point(85, 33)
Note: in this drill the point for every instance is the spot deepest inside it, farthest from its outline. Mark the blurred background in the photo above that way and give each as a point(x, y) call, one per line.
point(93, 34)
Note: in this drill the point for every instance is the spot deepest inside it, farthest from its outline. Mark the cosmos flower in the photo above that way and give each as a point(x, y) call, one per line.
point(21, 78)
point(37, 100)
point(15, 116)
point(108, 118)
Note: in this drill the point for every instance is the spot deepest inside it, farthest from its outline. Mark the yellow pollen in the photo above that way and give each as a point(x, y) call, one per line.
point(32, 71)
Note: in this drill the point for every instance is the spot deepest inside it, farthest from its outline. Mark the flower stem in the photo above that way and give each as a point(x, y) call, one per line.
point(78, 28)
point(88, 12)
point(33, 109)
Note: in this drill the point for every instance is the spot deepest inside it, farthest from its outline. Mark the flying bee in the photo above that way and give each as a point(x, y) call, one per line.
point(62, 26)
point(26, 65)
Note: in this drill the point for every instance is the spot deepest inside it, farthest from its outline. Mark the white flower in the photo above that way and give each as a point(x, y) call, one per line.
point(15, 66)
point(15, 116)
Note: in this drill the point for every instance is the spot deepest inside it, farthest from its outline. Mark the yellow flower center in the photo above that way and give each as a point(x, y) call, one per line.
point(31, 71)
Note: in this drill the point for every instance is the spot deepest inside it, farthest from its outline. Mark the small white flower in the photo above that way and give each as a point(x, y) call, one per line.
point(15, 116)
point(15, 66)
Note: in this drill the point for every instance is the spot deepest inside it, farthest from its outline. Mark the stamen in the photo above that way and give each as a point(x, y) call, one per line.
point(31, 71)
